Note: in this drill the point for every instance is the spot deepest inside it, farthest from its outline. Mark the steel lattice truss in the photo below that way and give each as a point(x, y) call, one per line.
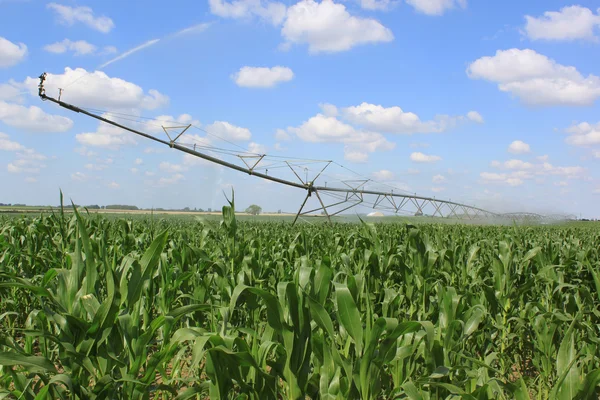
point(331, 200)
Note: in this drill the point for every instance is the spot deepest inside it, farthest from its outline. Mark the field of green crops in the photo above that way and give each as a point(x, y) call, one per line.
point(105, 308)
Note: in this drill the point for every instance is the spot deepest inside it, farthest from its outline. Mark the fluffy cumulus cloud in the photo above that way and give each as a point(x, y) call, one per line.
point(584, 134)
point(436, 7)
point(383, 175)
point(6, 144)
point(272, 12)
point(256, 148)
point(475, 117)
point(32, 118)
point(229, 131)
point(171, 180)
point(98, 90)
point(424, 158)
point(355, 156)
point(569, 23)
point(381, 5)
point(67, 15)
point(173, 168)
point(106, 136)
point(78, 48)
point(512, 164)
point(262, 77)
point(536, 79)
point(11, 53)
point(519, 147)
point(25, 160)
point(174, 125)
point(438, 179)
point(395, 120)
point(516, 172)
point(328, 27)
point(324, 129)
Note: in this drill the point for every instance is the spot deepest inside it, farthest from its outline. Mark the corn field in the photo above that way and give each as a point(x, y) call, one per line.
point(97, 308)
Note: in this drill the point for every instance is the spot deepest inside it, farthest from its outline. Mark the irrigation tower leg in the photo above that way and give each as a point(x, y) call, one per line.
point(301, 208)
point(323, 205)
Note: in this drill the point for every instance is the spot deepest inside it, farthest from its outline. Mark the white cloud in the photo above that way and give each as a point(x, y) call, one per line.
point(381, 5)
point(395, 120)
point(171, 180)
point(584, 134)
point(413, 171)
point(79, 47)
point(279, 147)
point(475, 117)
point(256, 148)
point(521, 171)
point(228, 131)
point(561, 183)
point(519, 147)
point(329, 110)
point(84, 151)
point(424, 158)
point(327, 27)
point(149, 173)
point(545, 157)
point(139, 161)
point(134, 170)
point(570, 23)
point(282, 135)
point(436, 7)
point(95, 167)
point(70, 15)
point(262, 77)
point(323, 129)
point(106, 136)
point(492, 177)
point(32, 118)
point(437, 189)
point(130, 52)
point(98, 90)
point(8, 145)
point(270, 11)
point(30, 179)
point(11, 53)
point(383, 175)
point(438, 179)
point(79, 177)
point(512, 164)
point(156, 124)
point(170, 167)
point(355, 156)
point(536, 79)
point(113, 185)
point(10, 91)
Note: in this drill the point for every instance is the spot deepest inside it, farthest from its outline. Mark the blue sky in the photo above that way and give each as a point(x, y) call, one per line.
point(491, 103)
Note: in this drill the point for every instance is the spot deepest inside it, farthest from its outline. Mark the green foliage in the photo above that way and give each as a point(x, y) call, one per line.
point(99, 308)
point(254, 210)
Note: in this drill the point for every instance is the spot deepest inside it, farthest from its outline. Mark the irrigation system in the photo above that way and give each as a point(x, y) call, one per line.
point(343, 195)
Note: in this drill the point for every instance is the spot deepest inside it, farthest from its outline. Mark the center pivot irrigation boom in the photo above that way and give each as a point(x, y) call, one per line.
point(353, 194)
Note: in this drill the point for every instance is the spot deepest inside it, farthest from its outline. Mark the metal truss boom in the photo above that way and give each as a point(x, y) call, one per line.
point(354, 194)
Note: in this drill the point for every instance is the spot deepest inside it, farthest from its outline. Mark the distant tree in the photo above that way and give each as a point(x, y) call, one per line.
point(121, 207)
point(278, 211)
point(186, 209)
point(210, 210)
point(254, 209)
point(93, 207)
